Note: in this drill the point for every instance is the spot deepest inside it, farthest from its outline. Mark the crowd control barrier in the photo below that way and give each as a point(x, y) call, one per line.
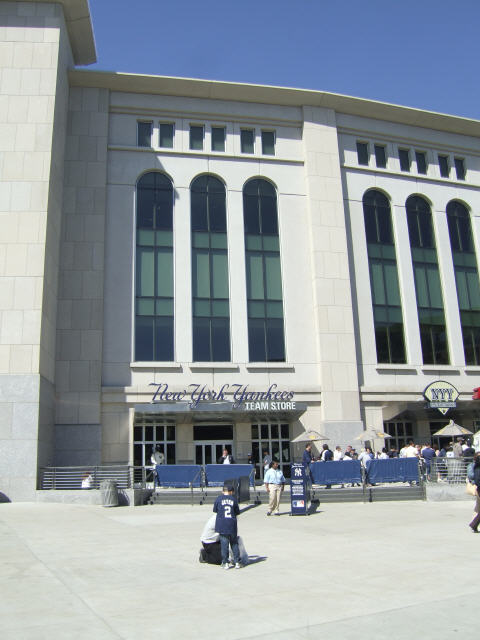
point(392, 470)
point(217, 474)
point(179, 476)
point(338, 472)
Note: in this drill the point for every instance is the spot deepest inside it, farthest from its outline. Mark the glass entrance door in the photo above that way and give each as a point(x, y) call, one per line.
point(211, 452)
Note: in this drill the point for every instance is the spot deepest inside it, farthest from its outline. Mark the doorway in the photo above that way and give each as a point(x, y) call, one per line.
point(210, 441)
point(211, 452)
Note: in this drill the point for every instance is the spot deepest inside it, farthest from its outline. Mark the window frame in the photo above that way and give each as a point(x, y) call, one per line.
point(422, 154)
point(460, 162)
point(144, 122)
point(218, 127)
point(166, 123)
point(446, 159)
point(362, 145)
point(247, 130)
point(404, 152)
point(193, 126)
point(274, 135)
point(383, 149)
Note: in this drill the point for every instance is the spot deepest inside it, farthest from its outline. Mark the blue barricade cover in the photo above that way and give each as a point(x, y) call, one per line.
point(216, 474)
point(336, 472)
point(179, 475)
point(392, 470)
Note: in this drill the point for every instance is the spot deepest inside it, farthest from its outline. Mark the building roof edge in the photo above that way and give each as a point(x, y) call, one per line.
point(269, 94)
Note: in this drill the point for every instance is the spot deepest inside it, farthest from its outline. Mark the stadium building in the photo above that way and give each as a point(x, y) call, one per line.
point(197, 264)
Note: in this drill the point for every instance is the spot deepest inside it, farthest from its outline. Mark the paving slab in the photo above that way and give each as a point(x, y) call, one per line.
point(396, 569)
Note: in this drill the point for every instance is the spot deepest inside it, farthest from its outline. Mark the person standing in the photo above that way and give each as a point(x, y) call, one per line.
point(267, 461)
point(274, 484)
point(227, 509)
point(307, 456)
point(476, 481)
point(338, 454)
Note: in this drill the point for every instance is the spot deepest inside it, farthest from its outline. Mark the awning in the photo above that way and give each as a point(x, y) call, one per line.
point(285, 411)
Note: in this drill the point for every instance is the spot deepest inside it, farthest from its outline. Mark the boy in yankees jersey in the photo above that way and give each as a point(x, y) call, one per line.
point(227, 509)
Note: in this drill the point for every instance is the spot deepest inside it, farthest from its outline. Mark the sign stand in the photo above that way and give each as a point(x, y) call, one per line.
point(300, 490)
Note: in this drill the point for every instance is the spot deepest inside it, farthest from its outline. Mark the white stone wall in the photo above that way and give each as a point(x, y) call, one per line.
point(80, 306)
point(34, 56)
point(396, 386)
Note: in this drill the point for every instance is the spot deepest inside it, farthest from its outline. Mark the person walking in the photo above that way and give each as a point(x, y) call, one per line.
point(227, 509)
point(476, 481)
point(274, 484)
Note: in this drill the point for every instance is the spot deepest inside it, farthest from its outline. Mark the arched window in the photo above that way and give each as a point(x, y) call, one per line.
point(466, 278)
point(428, 288)
point(382, 261)
point(210, 294)
point(264, 278)
point(154, 269)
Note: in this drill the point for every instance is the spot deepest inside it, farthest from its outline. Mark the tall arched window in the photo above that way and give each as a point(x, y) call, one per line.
point(382, 261)
point(428, 288)
point(264, 278)
point(210, 296)
point(466, 278)
point(154, 335)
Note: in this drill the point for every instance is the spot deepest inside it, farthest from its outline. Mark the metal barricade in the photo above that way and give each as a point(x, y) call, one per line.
point(448, 470)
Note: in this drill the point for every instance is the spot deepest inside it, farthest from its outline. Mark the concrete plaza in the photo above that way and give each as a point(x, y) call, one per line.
point(391, 569)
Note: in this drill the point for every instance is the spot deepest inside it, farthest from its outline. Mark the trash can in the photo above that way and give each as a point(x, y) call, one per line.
point(243, 489)
point(109, 491)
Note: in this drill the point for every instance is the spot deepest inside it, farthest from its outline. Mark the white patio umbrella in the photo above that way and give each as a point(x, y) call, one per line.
point(452, 429)
point(310, 436)
point(372, 434)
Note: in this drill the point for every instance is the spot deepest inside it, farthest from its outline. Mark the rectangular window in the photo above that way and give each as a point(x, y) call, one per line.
point(218, 138)
point(144, 134)
point(421, 158)
point(380, 156)
point(196, 137)
point(444, 166)
point(247, 140)
point(167, 130)
point(362, 153)
point(268, 143)
point(404, 157)
point(460, 168)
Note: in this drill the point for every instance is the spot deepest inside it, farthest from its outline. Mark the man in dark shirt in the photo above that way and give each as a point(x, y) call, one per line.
point(227, 509)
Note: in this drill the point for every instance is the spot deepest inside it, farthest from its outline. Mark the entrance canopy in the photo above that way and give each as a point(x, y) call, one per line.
point(285, 411)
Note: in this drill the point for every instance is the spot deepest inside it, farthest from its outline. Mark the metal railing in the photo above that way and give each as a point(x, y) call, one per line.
point(68, 478)
point(448, 470)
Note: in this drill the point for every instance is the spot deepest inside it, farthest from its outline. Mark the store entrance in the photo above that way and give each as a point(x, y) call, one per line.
point(210, 441)
point(210, 452)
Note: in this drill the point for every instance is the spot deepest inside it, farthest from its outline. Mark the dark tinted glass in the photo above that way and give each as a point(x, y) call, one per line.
point(460, 168)
point(250, 214)
point(421, 162)
point(145, 208)
point(381, 341)
point(199, 211)
point(376, 211)
point(164, 339)
point(166, 135)
point(380, 156)
point(217, 213)
point(143, 338)
point(444, 168)
point(419, 223)
point(362, 153)
point(220, 339)
point(247, 140)
point(459, 227)
point(397, 346)
point(218, 138)
point(404, 157)
point(201, 339)
point(164, 209)
point(268, 143)
point(144, 134)
point(196, 137)
point(275, 341)
point(268, 208)
point(256, 340)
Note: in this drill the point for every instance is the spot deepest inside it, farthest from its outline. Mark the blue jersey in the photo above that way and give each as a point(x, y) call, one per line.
point(227, 509)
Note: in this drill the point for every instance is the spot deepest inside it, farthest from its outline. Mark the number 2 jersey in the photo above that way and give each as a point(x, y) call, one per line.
point(227, 509)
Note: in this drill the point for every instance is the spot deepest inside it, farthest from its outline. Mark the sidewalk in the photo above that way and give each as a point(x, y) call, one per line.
point(349, 571)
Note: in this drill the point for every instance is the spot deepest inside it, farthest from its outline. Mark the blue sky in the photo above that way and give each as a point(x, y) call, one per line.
point(419, 53)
